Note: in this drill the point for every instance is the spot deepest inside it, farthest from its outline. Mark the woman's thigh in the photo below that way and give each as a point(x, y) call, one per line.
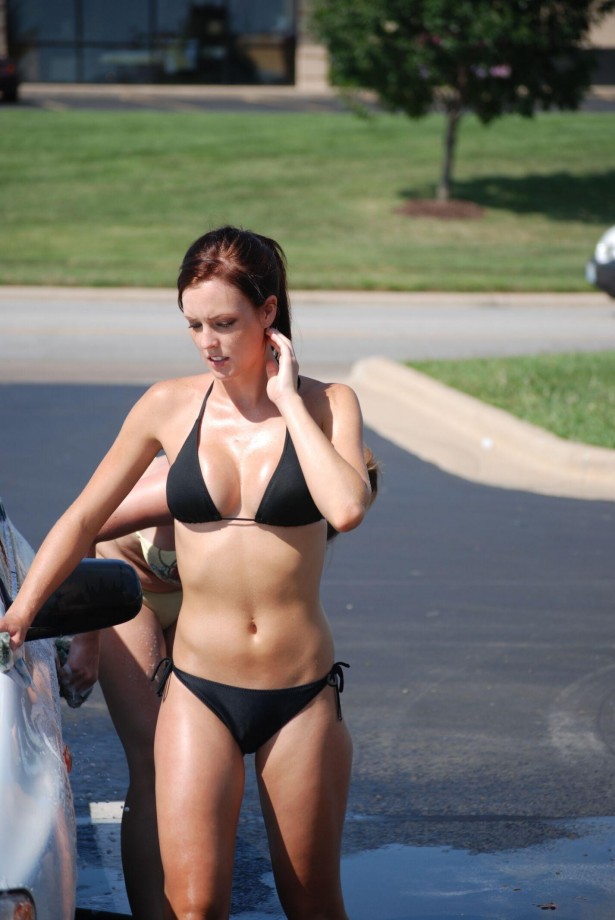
point(128, 656)
point(304, 775)
point(199, 788)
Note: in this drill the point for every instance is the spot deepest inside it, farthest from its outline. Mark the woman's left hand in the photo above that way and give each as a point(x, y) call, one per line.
point(283, 373)
point(83, 659)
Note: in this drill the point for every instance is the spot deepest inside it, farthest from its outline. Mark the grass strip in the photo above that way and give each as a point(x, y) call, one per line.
point(571, 395)
point(115, 198)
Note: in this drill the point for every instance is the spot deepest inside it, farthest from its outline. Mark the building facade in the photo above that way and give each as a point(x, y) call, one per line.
point(602, 42)
point(154, 41)
point(186, 42)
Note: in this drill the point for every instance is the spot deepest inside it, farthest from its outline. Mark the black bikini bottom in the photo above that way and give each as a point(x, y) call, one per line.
point(253, 716)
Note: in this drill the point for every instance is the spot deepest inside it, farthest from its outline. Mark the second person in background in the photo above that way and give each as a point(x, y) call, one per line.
point(140, 532)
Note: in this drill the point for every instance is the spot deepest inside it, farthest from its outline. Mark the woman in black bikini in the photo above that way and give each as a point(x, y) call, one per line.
point(253, 482)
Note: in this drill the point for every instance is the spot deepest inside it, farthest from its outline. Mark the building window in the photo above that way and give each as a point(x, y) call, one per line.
point(154, 41)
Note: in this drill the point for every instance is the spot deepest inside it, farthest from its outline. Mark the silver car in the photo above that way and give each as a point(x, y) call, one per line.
point(38, 855)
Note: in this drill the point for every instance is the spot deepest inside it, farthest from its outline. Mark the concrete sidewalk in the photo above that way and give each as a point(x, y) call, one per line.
point(224, 98)
point(468, 438)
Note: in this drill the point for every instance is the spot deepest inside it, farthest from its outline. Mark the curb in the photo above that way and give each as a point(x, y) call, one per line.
point(189, 90)
point(346, 298)
point(468, 438)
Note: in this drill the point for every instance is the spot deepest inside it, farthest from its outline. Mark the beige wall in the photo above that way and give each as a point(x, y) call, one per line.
point(311, 61)
point(311, 67)
point(603, 36)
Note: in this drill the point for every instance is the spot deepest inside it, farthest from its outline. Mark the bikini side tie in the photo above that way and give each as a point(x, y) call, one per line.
point(167, 665)
point(335, 678)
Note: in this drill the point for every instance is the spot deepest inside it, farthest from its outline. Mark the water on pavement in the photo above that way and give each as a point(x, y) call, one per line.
point(571, 874)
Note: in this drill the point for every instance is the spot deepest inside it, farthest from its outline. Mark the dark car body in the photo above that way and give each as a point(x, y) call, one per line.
point(9, 79)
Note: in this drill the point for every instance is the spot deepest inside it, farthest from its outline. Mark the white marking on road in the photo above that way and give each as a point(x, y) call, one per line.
point(106, 812)
point(573, 722)
point(101, 885)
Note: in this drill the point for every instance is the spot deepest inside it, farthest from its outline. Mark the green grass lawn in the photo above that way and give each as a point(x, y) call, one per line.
point(115, 198)
point(571, 395)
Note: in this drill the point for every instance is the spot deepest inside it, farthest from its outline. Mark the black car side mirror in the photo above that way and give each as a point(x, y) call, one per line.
point(98, 593)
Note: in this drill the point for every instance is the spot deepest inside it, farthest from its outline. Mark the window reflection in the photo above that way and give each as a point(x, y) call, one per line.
point(158, 41)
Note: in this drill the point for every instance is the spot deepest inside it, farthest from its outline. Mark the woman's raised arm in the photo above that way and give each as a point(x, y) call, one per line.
point(332, 457)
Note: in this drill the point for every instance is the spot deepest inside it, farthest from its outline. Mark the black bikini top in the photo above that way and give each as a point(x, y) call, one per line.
point(286, 503)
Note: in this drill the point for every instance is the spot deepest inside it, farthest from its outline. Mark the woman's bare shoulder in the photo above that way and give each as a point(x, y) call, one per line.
point(320, 393)
point(166, 407)
point(168, 394)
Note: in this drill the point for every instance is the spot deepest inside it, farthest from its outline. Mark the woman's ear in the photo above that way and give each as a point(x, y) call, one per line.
point(269, 311)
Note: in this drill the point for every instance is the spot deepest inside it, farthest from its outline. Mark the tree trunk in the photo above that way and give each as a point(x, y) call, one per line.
point(4, 41)
point(453, 115)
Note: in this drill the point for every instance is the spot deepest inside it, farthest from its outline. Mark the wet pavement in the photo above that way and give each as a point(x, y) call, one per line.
point(573, 876)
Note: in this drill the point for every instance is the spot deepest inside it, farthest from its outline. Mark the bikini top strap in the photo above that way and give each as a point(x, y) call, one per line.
point(210, 388)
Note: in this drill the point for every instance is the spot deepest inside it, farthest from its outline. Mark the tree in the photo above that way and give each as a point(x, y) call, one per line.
point(490, 57)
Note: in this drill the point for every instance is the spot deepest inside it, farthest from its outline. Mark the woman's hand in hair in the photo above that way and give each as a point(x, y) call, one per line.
point(283, 372)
